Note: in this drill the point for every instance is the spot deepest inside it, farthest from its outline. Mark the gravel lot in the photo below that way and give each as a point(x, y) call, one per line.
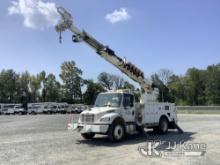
point(43, 139)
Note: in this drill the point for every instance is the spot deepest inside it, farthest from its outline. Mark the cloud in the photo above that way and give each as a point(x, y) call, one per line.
point(118, 16)
point(37, 14)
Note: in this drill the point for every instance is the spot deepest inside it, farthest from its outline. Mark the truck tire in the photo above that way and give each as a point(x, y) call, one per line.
point(116, 130)
point(88, 135)
point(163, 125)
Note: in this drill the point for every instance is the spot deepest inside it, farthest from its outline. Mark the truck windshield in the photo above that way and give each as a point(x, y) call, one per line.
point(109, 99)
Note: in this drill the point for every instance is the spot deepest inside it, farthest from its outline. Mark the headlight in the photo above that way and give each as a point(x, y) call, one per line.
point(105, 119)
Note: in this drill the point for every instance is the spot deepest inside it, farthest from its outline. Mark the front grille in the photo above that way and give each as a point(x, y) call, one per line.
point(87, 118)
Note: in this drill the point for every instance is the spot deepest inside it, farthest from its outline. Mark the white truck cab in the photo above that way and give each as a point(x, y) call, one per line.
point(116, 114)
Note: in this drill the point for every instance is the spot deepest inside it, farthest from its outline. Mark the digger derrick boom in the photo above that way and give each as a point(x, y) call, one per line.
point(105, 52)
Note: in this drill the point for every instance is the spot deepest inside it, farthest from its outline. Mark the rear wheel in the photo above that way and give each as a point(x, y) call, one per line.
point(88, 135)
point(116, 131)
point(163, 125)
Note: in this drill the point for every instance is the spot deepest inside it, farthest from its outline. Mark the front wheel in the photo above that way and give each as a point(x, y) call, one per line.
point(88, 135)
point(116, 131)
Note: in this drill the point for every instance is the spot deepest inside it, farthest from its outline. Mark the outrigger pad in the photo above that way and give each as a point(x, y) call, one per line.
point(179, 129)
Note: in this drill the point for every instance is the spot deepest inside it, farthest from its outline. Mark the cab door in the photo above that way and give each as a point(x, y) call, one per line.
point(128, 108)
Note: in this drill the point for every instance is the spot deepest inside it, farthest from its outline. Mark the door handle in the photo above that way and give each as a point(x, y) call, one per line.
point(133, 113)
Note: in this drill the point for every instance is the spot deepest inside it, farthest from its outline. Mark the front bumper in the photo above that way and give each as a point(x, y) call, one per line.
point(88, 128)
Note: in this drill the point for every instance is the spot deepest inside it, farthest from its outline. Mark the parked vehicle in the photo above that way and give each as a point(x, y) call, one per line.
point(70, 108)
point(18, 109)
point(74, 108)
point(0, 109)
point(46, 107)
point(54, 107)
point(80, 109)
point(8, 109)
point(63, 107)
point(35, 108)
point(115, 113)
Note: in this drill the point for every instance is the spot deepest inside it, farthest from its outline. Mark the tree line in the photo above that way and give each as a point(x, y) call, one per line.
point(43, 87)
point(196, 87)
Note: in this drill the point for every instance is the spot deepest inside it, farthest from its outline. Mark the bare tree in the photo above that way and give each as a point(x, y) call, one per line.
point(118, 81)
point(165, 75)
point(111, 81)
point(105, 79)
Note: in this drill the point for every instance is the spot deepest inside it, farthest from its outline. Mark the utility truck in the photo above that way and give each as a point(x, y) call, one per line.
point(54, 107)
point(47, 107)
point(19, 109)
point(8, 109)
point(115, 113)
point(35, 108)
point(63, 107)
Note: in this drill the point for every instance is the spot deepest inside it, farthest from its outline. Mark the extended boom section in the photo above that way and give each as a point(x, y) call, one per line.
point(104, 51)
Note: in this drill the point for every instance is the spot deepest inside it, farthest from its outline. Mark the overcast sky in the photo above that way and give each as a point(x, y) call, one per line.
point(153, 34)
